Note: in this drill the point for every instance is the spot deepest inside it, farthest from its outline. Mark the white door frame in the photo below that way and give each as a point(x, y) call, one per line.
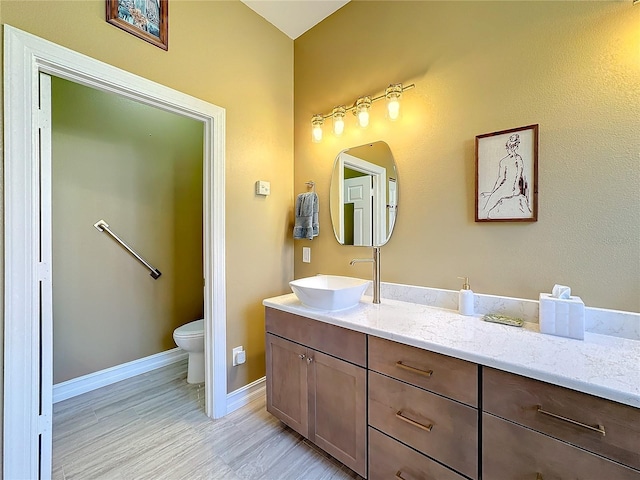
point(379, 175)
point(25, 56)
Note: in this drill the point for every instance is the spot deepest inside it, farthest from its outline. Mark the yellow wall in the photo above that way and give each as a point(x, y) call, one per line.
point(140, 169)
point(223, 53)
point(479, 67)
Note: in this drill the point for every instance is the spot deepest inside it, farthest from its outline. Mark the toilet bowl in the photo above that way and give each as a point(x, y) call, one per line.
point(190, 338)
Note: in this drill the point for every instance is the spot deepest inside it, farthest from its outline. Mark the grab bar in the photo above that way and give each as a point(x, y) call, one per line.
point(103, 226)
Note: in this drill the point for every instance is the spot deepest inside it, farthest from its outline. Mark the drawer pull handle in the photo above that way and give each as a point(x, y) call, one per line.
point(399, 475)
point(597, 428)
point(426, 428)
point(426, 373)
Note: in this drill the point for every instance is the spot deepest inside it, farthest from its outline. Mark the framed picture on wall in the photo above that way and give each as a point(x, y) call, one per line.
point(146, 19)
point(507, 175)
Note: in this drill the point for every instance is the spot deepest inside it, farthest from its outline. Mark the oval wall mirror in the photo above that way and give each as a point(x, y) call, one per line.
point(364, 195)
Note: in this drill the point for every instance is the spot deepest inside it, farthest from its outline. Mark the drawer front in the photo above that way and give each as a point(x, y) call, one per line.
point(510, 451)
point(324, 337)
point(436, 426)
point(601, 426)
point(452, 377)
point(389, 459)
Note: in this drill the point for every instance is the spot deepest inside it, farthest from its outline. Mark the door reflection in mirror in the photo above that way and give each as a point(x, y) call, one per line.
point(364, 195)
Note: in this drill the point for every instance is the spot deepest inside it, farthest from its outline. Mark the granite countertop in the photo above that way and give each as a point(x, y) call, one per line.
point(601, 365)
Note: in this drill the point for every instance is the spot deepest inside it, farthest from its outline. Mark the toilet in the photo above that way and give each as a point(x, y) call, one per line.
point(190, 338)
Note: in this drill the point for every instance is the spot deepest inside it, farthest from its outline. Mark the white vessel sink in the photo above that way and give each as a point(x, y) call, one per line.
point(329, 292)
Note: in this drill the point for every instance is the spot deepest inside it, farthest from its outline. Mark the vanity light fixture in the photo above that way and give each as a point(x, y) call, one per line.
point(361, 109)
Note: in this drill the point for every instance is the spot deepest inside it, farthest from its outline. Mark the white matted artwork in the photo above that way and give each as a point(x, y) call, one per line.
point(507, 175)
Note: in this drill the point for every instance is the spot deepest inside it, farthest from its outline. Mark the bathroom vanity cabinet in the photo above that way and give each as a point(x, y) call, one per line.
point(316, 384)
point(390, 410)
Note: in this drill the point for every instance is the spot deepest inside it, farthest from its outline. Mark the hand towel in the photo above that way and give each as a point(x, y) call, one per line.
point(306, 213)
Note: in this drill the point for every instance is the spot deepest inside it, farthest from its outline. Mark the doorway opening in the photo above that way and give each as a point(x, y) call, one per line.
point(27, 175)
point(139, 169)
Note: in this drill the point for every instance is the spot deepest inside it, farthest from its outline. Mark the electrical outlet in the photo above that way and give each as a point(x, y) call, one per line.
point(306, 254)
point(238, 355)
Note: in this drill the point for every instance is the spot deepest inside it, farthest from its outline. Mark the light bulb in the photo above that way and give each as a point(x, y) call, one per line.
point(316, 128)
point(363, 105)
point(317, 134)
point(338, 120)
point(363, 118)
point(393, 108)
point(393, 94)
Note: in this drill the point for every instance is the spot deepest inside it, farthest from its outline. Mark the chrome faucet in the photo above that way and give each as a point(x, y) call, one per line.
point(376, 271)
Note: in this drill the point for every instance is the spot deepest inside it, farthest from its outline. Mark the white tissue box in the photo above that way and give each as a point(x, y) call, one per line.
point(562, 316)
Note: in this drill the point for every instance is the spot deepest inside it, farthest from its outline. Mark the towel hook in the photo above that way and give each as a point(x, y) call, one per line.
point(312, 185)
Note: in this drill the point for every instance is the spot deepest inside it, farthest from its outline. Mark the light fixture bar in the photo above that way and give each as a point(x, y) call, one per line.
point(358, 107)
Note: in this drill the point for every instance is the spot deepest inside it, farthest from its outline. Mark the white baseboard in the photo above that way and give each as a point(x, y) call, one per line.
point(93, 381)
point(77, 386)
point(240, 397)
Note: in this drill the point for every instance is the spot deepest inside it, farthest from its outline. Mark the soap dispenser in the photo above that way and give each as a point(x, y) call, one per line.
point(465, 298)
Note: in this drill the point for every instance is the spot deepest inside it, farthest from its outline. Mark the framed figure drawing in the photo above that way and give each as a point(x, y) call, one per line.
point(507, 175)
point(146, 19)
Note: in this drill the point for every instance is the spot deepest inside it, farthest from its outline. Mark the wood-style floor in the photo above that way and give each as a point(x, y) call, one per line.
point(153, 427)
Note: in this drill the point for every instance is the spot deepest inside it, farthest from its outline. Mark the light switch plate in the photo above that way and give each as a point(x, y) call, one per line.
point(263, 188)
point(306, 254)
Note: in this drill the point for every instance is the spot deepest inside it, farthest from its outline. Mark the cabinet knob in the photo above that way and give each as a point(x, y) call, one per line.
point(302, 356)
point(309, 359)
point(539, 476)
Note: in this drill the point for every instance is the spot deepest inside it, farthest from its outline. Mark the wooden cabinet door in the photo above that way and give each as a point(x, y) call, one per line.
point(338, 398)
point(287, 391)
